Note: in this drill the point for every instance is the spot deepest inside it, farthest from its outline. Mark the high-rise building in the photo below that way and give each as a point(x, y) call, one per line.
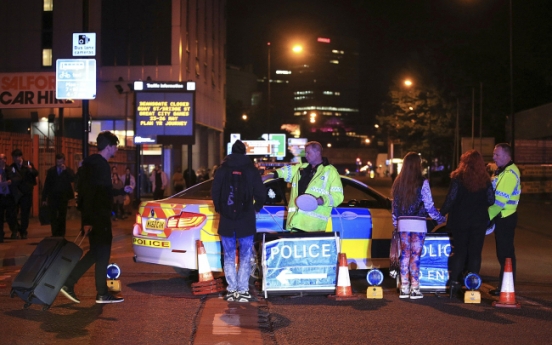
point(325, 83)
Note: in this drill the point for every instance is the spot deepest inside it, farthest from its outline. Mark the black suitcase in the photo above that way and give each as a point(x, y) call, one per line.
point(45, 272)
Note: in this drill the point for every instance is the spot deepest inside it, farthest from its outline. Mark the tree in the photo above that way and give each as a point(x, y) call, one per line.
point(421, 117)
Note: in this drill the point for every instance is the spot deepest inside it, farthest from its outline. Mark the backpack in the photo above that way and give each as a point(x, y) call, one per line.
point(234, 199)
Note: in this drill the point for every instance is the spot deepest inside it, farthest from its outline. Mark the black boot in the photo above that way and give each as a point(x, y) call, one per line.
point(455, 289)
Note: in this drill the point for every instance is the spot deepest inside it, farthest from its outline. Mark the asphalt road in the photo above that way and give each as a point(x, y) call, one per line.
point(160, 308)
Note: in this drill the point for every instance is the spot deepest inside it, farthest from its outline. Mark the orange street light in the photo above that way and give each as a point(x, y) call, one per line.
point(408, 82)
point(297, 49)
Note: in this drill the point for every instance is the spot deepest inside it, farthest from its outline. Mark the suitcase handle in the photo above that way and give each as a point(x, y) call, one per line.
point(83, 234)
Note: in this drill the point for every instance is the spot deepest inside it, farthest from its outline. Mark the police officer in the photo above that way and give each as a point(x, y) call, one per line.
point(507, 185)
point(316, 177)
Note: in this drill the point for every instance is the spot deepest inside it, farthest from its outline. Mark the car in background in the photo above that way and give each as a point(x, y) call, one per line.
point(165, 231)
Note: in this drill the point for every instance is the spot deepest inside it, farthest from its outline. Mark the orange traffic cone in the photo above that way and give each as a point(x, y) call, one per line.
point(343, 291)
point(206, 284)
point(507, 297)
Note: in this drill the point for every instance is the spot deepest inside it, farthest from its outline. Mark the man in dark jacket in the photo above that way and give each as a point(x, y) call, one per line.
point(24, 179)
point(241, 229)
point(95, 202)
point(7, 203)
point(57, 192)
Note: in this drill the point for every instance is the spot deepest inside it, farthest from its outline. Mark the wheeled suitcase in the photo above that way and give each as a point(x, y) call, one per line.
point(45, 272)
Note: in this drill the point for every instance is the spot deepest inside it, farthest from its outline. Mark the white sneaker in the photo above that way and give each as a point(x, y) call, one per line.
point(404, 292)
point(416, 294)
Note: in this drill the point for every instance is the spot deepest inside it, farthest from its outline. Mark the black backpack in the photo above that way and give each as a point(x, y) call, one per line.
point(234, 198)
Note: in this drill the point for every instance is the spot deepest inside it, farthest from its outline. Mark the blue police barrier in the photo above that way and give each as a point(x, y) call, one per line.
point(434, 262)
point(300, 264)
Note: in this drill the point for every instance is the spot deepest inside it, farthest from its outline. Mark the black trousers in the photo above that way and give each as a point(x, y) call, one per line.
point(58, 217)
point(99, 253)
point(24, 205)
point(158, 194)
point(467, 245)
point(504, 238)
point(7, 213)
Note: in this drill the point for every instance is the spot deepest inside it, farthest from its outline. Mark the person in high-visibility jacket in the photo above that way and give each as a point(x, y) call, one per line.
point(507, 184)
point(316, 177)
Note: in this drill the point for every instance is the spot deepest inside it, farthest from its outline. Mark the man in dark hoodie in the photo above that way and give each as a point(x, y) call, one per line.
point(24, 179)
point(242, 229)
point(95, 201)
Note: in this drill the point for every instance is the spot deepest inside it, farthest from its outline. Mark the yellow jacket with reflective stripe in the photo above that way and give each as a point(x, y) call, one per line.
point(507, 187)
point(326, 183)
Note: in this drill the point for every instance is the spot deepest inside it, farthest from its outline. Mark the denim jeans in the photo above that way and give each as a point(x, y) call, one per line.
point(240, 281)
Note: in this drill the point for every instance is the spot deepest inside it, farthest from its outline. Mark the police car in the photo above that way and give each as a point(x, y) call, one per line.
point(165, 231)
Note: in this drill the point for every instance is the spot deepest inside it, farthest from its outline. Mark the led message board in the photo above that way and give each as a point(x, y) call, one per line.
point(164, 113)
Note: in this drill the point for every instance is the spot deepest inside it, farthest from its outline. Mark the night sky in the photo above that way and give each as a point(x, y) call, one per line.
point(461, 41)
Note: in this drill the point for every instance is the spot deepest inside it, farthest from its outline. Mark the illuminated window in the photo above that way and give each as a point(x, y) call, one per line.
point(48, 5)
point(338, 51)
point(47, 57)
point(335, 62)
point(279, 71)
point(328, 92)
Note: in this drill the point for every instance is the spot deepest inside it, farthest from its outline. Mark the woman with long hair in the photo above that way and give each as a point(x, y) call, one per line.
point(412, 202)
point(470, 195)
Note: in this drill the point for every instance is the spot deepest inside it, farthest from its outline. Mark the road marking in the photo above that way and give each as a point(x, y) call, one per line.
point(226, 324)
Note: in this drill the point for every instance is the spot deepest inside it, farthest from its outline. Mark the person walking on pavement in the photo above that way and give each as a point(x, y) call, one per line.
point(57, 192)
point(507, 185)
point(24, 178)
point(130, 183)
point(243, 228)
point(178, 180)
point(318, 178)
point(159, 182)
point(190, 177)
point(7, 203)
point(469, 196)
point(412, 201)
point(94, 201)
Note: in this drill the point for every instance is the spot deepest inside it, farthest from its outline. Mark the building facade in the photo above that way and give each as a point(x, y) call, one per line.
point(149, 40)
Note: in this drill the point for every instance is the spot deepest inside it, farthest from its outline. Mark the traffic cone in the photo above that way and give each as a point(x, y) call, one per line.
point(507, 297)
point(343, 291)
point(206, 284)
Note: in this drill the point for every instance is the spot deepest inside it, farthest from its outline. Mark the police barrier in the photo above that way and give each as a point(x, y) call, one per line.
point(300, 264)
point(434, 262)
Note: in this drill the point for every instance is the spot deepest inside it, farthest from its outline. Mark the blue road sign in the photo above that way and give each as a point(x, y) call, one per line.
point(434, 262)
point(76, 78)
point(300, 264)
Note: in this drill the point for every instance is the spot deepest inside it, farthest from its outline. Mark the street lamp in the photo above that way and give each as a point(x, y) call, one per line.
point(297, 49)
